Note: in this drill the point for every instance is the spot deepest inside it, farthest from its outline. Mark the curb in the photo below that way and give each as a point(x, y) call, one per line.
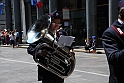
point(76, 50)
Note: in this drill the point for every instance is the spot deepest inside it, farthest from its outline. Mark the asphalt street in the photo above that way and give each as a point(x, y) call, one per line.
point(16, 66)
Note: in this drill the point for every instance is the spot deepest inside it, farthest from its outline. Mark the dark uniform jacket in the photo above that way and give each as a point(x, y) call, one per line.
point(113, 44)
point(43, 74)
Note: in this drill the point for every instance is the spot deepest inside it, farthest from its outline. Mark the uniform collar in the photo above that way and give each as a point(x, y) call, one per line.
point(120, 21)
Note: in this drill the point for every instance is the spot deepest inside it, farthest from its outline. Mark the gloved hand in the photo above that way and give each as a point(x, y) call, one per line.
point(72, 52)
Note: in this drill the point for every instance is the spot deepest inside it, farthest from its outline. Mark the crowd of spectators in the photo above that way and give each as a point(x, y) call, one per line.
point(8, 37)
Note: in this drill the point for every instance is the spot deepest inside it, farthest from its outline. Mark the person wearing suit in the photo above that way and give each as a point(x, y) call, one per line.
point(113, 43)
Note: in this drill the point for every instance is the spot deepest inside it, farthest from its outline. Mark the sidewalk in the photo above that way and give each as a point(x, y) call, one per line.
point(82, 49)
point(76, 48)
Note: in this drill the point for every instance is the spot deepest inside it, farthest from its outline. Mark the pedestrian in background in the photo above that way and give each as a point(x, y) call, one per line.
point(4, 37)
point(7, 38)
point(0, 37)
point(113, 43)
point(12, 39)
point(93, 44)
point(61, 31)
point(16, 37)
point(88, 44)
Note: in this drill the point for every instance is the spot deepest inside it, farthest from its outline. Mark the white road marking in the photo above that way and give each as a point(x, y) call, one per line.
point(91, 73)
point(74, 70)
point(17, 61)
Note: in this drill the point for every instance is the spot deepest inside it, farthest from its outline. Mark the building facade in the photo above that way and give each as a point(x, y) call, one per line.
point(80, 18)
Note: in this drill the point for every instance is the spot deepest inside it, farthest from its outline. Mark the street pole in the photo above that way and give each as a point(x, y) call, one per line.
point(8, 15)
point(110, 16)
point(113, 12)
point(17, 18)
point(23, 22)
point(40, 11)
point(52, 6)
point(87, 18)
